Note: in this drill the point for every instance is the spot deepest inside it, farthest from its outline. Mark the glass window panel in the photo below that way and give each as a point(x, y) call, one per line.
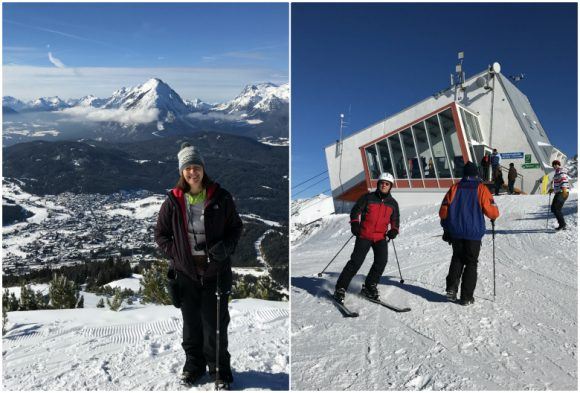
point(426, 157)
point(398, 159)
point(373, 161)
point(439, 155)
point(412, 162)
point(385, 156)
point(452, 142)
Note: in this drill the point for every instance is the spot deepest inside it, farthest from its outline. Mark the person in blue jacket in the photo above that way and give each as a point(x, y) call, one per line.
point(462, 218)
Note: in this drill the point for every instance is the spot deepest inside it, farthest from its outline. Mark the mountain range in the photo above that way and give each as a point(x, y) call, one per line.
point(154, 108)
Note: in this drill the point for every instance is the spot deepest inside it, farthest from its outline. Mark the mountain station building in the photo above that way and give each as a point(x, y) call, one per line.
point(426, 145)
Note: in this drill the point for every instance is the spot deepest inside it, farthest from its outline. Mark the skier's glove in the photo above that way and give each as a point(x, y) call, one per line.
point(220, 251)
point(392, 233)
point(551, 190)
point(355, 228)
point(446, 237)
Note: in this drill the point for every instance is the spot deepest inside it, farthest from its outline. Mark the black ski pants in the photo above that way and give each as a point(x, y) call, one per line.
point(361, 249)
point(199, 311)
point(464, 267)
point(557, 205)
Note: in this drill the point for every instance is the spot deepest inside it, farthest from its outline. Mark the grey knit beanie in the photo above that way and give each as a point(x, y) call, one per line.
point(188, 155)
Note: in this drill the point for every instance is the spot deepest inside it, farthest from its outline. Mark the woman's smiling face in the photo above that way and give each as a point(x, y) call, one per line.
point(193, 175)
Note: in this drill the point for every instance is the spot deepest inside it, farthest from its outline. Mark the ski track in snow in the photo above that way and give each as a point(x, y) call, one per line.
point(68, 355)
point(525, 339)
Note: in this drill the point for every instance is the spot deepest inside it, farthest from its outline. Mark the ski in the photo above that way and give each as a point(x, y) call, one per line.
point(343, 309)
point(387, 305)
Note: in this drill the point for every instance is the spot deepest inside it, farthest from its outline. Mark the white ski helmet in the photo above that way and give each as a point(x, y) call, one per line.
point(386, 176)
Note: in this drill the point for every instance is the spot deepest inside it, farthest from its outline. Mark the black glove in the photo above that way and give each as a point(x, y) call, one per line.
point(446, 237)
point(551, 190)
point(355, 228)
point(220, 251)
point(392, 233)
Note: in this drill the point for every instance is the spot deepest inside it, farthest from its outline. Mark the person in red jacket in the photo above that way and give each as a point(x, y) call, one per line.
point(374, 217)
point(462, 218)
point(198, 228)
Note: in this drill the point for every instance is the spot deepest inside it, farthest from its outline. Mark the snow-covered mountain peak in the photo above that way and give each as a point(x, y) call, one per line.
point(48, 103)
point(262, 97)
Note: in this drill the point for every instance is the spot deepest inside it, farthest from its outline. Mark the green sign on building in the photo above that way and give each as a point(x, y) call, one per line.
point(531, 166)
point(528, 158)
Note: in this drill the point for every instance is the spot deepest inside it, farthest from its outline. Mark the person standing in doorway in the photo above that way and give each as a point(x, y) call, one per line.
point(462, 218)
point(373, 219)
point(561, 192)
point(495, 161)
point(497, 180)
point(512, 176)
point(485, 164)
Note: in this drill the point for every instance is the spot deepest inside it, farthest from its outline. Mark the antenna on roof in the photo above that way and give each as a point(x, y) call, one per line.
point(517, 78)
point(459, 78)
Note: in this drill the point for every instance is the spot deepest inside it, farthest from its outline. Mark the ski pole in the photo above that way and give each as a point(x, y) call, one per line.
point(397, 258)
point(218, 382)
point(323, 270)
point(493, 242)
point(548, 215)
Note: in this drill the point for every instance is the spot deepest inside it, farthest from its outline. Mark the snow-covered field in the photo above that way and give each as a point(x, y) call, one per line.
point(524, 339)
point(138, 348)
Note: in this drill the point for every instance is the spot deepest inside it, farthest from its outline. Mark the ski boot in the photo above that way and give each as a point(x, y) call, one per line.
point(466, 302)
point(370, 291)
point(451, 295)
point(191, 378)
point(339, 294)
point(561, 227)
point(222, 385)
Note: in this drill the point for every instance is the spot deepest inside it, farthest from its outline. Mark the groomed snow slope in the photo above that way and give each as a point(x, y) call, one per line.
point(525, 339)
point(137, 348)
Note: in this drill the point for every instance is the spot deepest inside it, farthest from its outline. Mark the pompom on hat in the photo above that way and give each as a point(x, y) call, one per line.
point(188, 155)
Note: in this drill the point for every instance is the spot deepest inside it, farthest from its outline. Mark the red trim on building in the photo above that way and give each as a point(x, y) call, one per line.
point(431, 183)
point(451, 105)
point(354, 193)
point(416, 183)
point(460, 134)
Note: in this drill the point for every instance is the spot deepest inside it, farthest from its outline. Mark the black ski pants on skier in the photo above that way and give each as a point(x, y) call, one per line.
point(361, 249)
point(199, 311)
point(464, 267)
point(557, 205)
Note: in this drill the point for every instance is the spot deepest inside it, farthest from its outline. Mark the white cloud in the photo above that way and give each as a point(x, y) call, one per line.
point(210, 84)
point(55, 61)
point(142, 116)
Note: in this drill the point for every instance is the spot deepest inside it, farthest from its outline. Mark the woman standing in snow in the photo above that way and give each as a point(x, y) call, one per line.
point(198, 228)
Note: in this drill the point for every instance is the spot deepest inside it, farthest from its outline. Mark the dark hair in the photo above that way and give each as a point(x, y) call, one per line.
point(183, 185)
point(556, 162)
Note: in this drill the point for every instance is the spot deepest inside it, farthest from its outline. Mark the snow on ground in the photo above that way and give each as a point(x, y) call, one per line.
point(139, 209)
point(524, 339)
point(131, 283)
point(258, 218)
point(138, 348)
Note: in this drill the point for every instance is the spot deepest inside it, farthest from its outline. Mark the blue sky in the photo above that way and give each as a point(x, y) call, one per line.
point(207, 51)
point(370, 61)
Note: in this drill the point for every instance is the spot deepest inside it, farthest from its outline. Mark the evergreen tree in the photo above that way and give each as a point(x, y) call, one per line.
point(4, 317)
point(63, 293)
point(13, 303)
point(117, 302)
point(154, 283)
point(101, 303)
